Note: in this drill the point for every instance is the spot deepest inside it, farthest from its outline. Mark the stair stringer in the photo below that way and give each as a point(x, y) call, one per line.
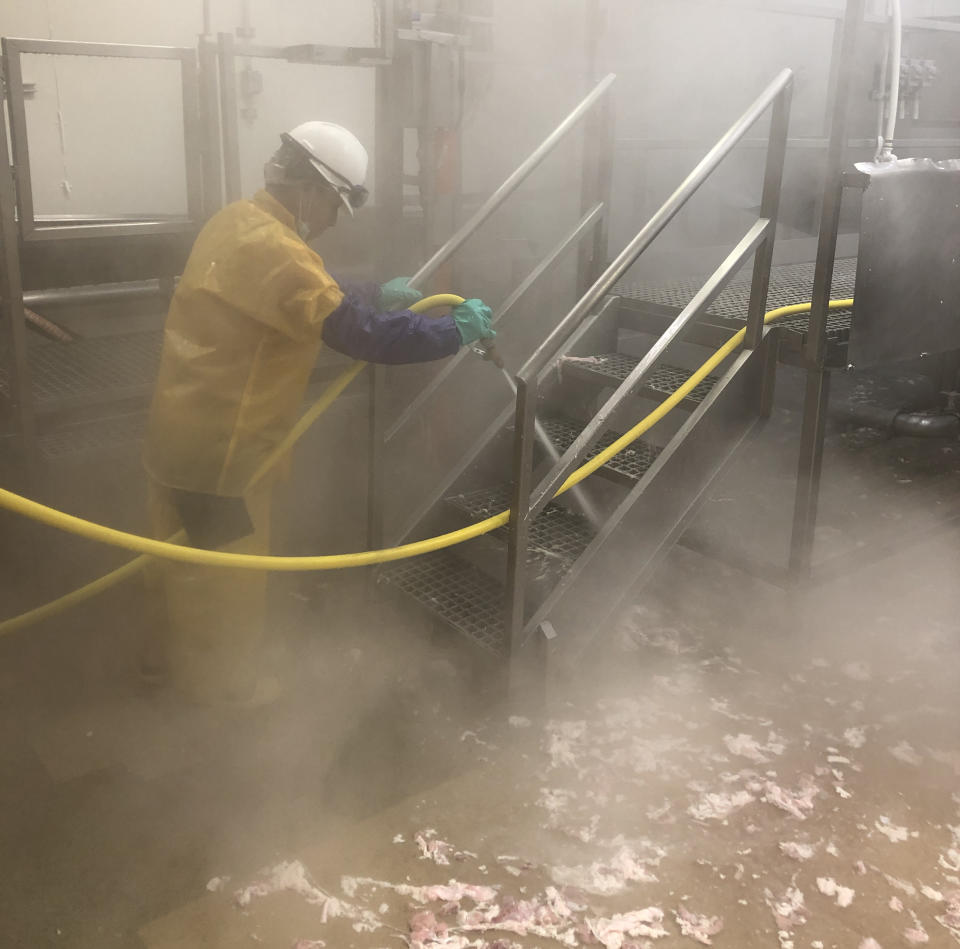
point(655, 513)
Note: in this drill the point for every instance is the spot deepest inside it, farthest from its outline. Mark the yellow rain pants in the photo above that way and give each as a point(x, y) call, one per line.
point(241, 338)
point(206, 624)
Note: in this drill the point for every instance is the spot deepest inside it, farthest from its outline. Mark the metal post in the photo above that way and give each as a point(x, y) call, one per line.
point(815, 346)
point(375, 471)
point(810, 464)
point(515, 601)
point(388, 172)
point(193, 144)
point(210, 129)
point(598, 145)
point(596, 189)
point(228, 115)
point(809, 470)
point(12, 313)
point(769, 209)
point(425, 69)
point(20, 154)
point(388, 184)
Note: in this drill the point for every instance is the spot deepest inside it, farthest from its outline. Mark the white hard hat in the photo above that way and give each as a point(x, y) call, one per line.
point(337, 155)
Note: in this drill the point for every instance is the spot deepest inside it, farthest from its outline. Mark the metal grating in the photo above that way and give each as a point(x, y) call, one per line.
point(557, 536)
point(632, 463)
point(90, 369)
point(456, 592)
point(789, 284)
point(100, 435)
point(664, 380)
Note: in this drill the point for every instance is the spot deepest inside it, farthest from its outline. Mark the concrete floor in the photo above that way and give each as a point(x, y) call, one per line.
point(716, 693)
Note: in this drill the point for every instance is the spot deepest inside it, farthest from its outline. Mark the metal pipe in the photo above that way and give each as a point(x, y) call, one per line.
point(699, 304)
point(897, 422)
point(100, 50)
point(101, 293)
point(893, 96)
point(655, 225)
point(49, 329)
point(510, 185)
point(412, 410)
point(926, 426)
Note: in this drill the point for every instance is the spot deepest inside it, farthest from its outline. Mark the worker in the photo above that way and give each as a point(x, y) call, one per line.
point(246, 323)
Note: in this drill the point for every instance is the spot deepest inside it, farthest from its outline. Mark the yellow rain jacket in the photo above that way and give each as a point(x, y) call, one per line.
point(241, 338)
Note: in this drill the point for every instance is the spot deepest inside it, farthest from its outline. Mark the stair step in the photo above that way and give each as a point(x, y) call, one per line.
point(655, 320)
point(612, 368)
point(558, 536)
point(628, 467)
point(455, 592)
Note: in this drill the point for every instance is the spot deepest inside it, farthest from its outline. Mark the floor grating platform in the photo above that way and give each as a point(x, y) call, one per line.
point(456, 592)
point(615, 367)
point(631, 464)
point(93, 370)
point(789, 284)
point(123, 432)
point(557, 537)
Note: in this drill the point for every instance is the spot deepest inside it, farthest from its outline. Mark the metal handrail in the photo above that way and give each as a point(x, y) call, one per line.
point(673, 205)
point(378, 436)
point(699, 305)
point(512, 183)
point(589, 220)
point(527, 502)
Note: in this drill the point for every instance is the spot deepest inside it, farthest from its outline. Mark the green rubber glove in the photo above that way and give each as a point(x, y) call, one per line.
point(473, 321)
point(396, 295)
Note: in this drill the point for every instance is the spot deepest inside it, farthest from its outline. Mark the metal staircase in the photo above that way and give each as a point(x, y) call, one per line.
point(574, 571)
point(553, 573)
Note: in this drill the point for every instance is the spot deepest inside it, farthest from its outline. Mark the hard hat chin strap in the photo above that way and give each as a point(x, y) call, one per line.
point(303, 229)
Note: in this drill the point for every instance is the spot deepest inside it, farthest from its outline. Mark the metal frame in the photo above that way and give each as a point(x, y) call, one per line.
point(636, 536)
point(16, 365)
point(527, 503)
point(228, 51)
point(817, 393)
point(29, 227)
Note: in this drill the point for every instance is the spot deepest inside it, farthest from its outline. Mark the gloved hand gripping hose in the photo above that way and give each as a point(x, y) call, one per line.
point(83, 528)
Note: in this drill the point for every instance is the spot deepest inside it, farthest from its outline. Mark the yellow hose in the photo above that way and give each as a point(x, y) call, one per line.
point(176, 552)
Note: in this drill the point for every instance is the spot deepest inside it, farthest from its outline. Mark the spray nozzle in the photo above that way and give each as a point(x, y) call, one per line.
point(486, 349)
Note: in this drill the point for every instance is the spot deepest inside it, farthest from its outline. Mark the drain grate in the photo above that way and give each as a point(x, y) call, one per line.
point(557, 537)
point(455, 592)
point(631, 464)
point(664, 380)
point(789, 284)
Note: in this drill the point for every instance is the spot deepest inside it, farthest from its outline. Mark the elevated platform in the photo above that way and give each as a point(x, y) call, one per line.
point(789, 284)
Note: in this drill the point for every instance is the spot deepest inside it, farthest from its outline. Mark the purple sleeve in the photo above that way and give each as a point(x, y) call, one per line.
point(359, 330)
point(367, 292)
